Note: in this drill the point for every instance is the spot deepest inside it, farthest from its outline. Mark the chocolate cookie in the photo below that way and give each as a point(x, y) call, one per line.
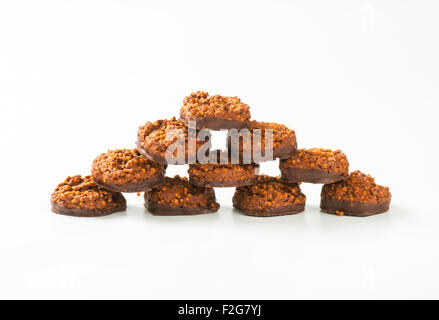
point(224, 174)
point(169, 141)
point(82, 197)
point(315, 166)
point(358, 195)
point(255, 145)
point(127, 170)
point(269, 197)
point(215, 112)
point(179, 197)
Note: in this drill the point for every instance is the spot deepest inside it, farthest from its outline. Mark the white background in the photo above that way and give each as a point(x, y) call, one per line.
point(79, 77)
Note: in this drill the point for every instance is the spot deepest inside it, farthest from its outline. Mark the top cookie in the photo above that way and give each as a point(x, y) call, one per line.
point(215, 112)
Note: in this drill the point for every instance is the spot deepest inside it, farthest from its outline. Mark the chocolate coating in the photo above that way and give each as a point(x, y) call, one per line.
point(284, 152)
point(224, 184)
point(310, 175)
point(351, 208)
point(289, 210)
point(56, 208)
point(166, 210)
point(139, 186)
point(216, 123)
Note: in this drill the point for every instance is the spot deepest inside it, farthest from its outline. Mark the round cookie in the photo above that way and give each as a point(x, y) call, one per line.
point(358, 195)
point(221, 175)
point(315, 166)
point(169, 141)
point(251, 144)
point(215, 112)
point(179, 197)
point(126, 170)
point(269, 197)
point(82, 197)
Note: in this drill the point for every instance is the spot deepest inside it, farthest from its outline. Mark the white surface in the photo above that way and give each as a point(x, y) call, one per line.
point(79, 77)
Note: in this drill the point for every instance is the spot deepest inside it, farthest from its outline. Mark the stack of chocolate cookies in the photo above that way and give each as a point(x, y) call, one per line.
point(187, 141)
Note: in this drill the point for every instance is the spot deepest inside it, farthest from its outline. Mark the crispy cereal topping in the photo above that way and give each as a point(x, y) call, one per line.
point(317, 158)
point(178, 191)
point(221, 172)
point(267, 194)
point(282, 137)
point(83, 193)
point(281, 134)
point(124, 166)
point(201, 105)
point(358, 187)
point(159, 135)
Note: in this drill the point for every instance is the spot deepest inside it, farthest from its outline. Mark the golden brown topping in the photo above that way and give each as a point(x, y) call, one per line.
point(178, 191)
point(221, 172)
point(316, 158)
point(358, 187)
point(124, 166)
point(157, 136)
point(260, 133)
point(267, 194)
point(281, 134)
point(201, 105)
point(83, 193)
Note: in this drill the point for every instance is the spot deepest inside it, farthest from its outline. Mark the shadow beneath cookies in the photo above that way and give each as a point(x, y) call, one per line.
point(116, 215)
point(289, 222)
point(207, 217)
point(376, 224)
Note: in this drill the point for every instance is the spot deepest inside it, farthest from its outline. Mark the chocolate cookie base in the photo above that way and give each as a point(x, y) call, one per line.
point(139, 186)
point(293, 209)
point(165, 210)
point(216, 123)
point(310, 175)
point(351, 208)
point(223, 184)
point(285, 152)
point(56, 208)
